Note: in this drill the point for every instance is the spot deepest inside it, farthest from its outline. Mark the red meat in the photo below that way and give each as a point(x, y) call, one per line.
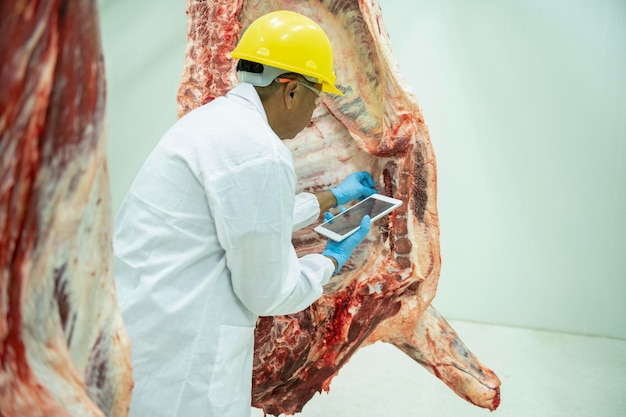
point(385, 291)
point(63, 350)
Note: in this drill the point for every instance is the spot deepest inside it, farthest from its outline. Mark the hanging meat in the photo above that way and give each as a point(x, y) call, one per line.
point(385, 291)
point(63, 349)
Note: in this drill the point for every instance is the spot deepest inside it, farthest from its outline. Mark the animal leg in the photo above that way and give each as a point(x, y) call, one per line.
point(436, 346)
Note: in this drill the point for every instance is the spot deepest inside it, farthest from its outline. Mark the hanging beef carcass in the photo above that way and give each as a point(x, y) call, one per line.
point(63, 349)
point(385, 292)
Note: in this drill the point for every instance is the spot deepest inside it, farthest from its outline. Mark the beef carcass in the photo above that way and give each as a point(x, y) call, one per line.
point(63, 349)
point(385, 291)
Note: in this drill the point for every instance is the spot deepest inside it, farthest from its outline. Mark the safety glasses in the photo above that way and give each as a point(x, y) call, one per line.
point(319, 92)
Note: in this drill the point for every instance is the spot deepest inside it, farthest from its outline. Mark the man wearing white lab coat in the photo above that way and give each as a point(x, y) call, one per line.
point(203, 245)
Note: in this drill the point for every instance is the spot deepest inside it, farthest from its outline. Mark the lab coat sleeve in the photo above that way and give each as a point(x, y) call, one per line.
point(306, 210)
point(254, 218)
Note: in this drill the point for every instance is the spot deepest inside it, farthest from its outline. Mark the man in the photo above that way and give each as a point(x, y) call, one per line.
point(203, 238)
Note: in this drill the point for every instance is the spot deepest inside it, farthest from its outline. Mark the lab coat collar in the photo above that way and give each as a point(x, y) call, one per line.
point(247, 92)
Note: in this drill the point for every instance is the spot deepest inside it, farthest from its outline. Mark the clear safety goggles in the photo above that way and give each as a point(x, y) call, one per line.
point(317, 91)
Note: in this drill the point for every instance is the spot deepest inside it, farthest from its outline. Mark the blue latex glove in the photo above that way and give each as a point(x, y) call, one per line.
point(329, 216)
point(356, 185)
point(341, 251)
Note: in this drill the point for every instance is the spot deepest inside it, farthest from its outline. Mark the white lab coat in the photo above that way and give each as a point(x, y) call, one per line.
point(202, 249)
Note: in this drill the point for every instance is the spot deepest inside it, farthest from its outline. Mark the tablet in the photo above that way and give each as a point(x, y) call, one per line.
point(346, 223)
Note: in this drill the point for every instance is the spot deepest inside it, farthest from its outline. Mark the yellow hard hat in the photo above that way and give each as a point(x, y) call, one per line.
point(292, 42)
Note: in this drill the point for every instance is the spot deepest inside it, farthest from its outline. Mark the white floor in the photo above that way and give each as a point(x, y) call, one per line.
point(543, 374)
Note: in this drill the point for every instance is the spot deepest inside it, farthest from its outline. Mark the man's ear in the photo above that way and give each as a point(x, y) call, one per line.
point(288, 93)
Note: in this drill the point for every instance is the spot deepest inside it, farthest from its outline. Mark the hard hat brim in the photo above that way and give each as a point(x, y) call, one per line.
point(331, 89)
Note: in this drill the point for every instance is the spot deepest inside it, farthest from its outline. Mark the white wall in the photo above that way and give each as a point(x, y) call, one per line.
point(144, 47)
point(525, 104)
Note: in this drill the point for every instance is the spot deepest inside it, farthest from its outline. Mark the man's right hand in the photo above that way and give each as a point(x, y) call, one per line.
point(357, 185)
